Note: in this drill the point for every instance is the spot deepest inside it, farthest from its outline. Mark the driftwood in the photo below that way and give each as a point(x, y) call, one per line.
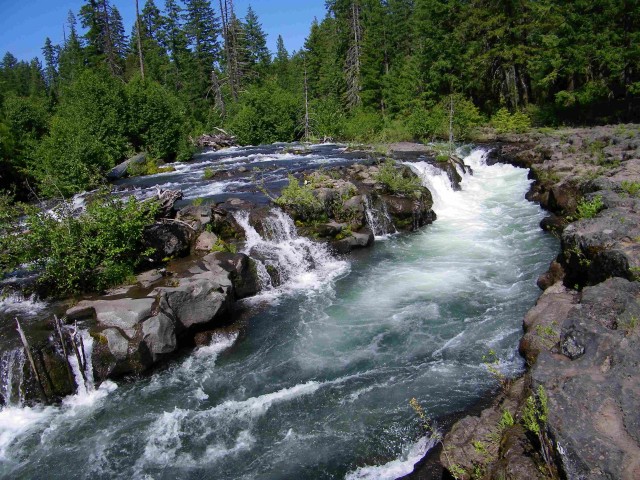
point(166, 199)
point(218, 140)
point(34, 370)
point(58, 328)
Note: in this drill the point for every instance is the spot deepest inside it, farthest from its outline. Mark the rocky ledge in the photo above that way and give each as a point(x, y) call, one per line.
point(576, 412)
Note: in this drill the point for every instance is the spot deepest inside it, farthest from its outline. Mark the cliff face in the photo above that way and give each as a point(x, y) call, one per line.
point(576, 412)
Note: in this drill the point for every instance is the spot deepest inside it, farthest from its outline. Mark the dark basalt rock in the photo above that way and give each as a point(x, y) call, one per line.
point(169, 240)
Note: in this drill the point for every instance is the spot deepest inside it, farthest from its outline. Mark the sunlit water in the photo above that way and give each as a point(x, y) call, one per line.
point(318, 383)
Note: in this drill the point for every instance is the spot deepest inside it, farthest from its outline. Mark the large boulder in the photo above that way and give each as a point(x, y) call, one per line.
point(168, 240)
point(409, 213)
point(242, 270)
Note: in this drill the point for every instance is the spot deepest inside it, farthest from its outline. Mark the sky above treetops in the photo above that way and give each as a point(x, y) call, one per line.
point(25, 24)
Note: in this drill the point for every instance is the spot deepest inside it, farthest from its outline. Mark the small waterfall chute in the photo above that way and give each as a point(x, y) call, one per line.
point(12, 363)
point(378, 217)
point(285, 258)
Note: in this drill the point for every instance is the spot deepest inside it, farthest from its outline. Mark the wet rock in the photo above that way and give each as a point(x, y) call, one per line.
point(361, 239)
point(551, 276)
point(124, 314)
point(410, 213)
point(168, 240)
point(242, 271)
point(114, 356)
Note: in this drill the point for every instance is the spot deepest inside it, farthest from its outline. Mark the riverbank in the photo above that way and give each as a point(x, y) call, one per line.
point(574, 414)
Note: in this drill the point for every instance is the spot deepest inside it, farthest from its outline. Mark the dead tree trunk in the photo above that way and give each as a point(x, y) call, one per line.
point(139, 41)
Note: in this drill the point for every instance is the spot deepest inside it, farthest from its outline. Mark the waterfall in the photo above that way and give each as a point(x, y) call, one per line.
point(378, 217)
point(284, 257)
point(83, 374)
point(11, 376)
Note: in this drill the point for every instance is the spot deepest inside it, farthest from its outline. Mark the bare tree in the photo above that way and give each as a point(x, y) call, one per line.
point(139, 40)
point(353, 60)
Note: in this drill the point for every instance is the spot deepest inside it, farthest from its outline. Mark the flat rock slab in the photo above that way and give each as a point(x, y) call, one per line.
point(124, 314)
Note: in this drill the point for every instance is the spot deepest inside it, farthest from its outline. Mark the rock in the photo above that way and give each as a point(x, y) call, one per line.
point(197, 301)
point(242, 270)
point(125, 314)
point(196, 216)
point(169, 240)
point(121, 170)
point(551, 276)
point(159, 333)
point(148, 278)
point(598, 248)
point(206, 241)
point(594, 391)
point(409, 214)
point(118, 345)
point(356, 240)
point(543, 323)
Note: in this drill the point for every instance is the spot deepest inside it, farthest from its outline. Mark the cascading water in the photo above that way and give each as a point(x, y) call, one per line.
point(291, 260)
point(378, 218)
point(318, 384)
point(12, 365)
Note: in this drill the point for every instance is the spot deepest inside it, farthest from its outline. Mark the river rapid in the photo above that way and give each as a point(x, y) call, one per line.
point(316, 382)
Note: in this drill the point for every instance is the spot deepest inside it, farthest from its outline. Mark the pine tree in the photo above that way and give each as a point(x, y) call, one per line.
point(282, 56)
point(256, 40)
point(50, 53)
point(71, 58)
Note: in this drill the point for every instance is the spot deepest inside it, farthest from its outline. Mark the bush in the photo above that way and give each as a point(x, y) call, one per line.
point(148, 167)
point(300, 201)
point(395, 180)
point(432, 123)
point(265, 114)
point(89, 252)
point(362, 126)
point(157, 121)
point(505, 122)
point(589, 208)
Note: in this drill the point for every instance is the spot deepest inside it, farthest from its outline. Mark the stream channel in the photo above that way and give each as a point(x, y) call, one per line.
point(316, 382)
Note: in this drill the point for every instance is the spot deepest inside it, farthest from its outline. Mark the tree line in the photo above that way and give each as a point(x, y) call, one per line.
point(369, 70)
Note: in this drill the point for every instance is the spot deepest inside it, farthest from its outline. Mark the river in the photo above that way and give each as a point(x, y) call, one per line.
point(316, 382)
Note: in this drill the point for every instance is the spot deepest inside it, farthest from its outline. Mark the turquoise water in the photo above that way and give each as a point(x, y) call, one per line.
point(317, 382)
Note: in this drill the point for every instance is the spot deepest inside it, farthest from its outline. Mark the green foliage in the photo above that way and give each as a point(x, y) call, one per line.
point(148, 167)
point(209, 173)
point(631, 188)
point(265, 114)
point(299, 200)
point(89, 252)
point(506, 420)
point(397, 181)
point(536, 411)
point(222, 246)
point(589, 208)
point(157, 122)
point(505, 122)
point(434, 122)
point(362, 126)
point(87, 138)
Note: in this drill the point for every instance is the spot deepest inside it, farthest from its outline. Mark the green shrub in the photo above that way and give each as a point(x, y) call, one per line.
point(265, 114)
point(89, 252)
point(396, 180)
point(589, 208)
point(148, 167)
point(299, 200)
point(505, 122)
point(434, 122)
point(362, 126)
point(442, 158)
point(209, 173)
point(631, 188)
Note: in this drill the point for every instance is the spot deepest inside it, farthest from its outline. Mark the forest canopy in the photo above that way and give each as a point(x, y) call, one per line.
point(370, 70)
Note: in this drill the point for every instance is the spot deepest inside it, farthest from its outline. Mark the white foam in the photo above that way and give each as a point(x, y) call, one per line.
point(16, 303)
point(17, 422)
point(396, 468)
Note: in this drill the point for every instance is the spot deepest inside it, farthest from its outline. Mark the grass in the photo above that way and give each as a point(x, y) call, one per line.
point(209, 173)
point(394, 180)
point(631, 188)
point(148, 167)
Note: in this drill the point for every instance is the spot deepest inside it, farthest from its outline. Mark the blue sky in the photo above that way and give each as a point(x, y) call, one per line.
point(25, 24)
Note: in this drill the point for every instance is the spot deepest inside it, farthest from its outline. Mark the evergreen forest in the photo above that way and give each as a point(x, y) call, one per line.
point(369, 71)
